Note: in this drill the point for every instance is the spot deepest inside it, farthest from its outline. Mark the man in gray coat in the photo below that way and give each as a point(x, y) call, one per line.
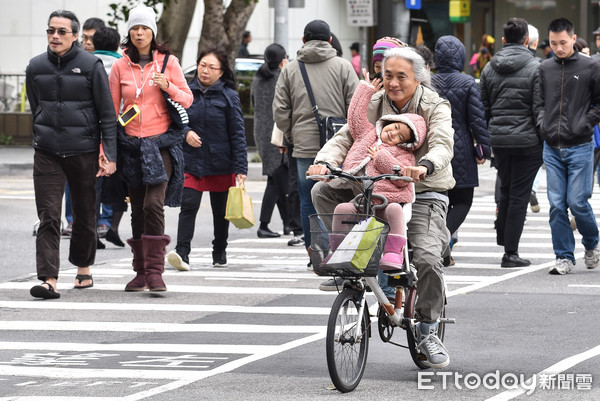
point(511, 98)
point(333, 81)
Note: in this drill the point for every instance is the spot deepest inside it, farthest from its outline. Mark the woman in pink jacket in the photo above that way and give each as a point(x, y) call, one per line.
point(150, 156)
point(377, 149)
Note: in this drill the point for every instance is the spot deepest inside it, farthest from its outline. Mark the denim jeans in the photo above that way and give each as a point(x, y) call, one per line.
point(68, 211)
point(570, 181)
point(304, 188)
point(103, 210)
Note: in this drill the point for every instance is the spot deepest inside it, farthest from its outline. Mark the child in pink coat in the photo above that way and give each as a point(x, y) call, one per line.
point(377, 149)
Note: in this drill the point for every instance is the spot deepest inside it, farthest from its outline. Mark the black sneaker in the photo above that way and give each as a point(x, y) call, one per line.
point(219, 258)
point(298, 240)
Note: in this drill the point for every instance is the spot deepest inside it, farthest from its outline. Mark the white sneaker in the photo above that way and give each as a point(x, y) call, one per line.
point(562, 266)
point(175, 260)
point(592, 257)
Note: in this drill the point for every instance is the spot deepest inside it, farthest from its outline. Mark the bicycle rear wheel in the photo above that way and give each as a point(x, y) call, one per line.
point(347, 354)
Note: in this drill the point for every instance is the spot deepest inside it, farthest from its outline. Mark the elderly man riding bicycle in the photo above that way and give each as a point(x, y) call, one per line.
point(407, 85)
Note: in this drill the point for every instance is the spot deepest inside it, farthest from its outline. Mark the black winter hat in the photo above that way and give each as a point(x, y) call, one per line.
point(317, 30)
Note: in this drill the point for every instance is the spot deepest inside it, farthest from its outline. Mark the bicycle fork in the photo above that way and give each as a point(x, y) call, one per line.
point(394, 317)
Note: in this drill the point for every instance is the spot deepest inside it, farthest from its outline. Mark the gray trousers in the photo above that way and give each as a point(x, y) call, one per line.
point(427, 234)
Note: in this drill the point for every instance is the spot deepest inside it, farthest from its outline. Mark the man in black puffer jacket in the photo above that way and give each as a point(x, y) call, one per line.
point(72, 112)
point(510, 94)
point(570, 89)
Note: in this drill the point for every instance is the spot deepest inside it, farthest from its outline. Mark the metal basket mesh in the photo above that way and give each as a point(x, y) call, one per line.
point(323, 239)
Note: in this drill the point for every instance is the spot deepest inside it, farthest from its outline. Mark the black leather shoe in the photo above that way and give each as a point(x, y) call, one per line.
point(509, 260)
point(266, 233)
point(113, 236)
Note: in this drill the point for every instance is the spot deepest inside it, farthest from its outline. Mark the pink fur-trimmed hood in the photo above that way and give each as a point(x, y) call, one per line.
point(414, 121)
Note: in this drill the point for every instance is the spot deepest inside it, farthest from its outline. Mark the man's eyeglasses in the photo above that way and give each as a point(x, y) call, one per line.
point(203, 67)
point(61, 31)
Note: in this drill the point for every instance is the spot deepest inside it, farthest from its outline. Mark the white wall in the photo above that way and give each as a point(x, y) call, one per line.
point(23, 22)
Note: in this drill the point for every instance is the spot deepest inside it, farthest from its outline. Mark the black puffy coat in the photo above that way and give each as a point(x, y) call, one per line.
point(71, 104)
point(510, 93)
point(468, 118)
point(263, 92)
point(216, 116)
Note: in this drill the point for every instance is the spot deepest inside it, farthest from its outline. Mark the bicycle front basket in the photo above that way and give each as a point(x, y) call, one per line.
point(352, 249)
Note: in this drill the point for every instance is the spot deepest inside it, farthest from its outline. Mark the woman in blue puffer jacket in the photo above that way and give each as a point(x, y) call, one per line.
point(471, 137)
point(215, 154)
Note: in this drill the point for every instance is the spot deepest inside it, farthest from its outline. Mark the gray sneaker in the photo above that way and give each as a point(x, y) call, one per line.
point(592, 257)
point(333, 284)
point(430, 345)
point(562, 266)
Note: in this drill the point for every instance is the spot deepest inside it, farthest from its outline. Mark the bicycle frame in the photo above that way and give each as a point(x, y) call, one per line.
point(349, 324)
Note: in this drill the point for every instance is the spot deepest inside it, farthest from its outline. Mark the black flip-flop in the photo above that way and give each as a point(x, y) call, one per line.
point(82, 277)
point(39, 291)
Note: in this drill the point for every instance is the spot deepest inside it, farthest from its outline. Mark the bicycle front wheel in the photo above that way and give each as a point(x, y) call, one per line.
point(346, 346)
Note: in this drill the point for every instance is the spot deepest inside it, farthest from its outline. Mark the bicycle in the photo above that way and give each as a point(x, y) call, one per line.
point(349, 323)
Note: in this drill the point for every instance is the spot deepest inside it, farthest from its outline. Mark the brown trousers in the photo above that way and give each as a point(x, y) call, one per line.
point(50, 173)
point(148, 204)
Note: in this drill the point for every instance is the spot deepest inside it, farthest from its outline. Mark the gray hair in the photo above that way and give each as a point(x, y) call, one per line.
point(418, 64)
point(533, 34)
point(69, 15)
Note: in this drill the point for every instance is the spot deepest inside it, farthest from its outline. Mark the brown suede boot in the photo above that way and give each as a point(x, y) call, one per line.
point(139, 282)
point(154, 260)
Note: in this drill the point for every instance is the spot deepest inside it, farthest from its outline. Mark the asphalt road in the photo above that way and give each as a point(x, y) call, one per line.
point(255, 330)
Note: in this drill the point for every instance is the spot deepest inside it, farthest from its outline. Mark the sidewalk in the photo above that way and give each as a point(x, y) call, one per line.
point(18, 161)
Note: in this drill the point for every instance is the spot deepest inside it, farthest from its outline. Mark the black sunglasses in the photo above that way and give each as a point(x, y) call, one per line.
point(61, 31)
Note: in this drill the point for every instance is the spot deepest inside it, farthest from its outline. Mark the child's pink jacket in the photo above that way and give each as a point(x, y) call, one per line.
point(365, 135)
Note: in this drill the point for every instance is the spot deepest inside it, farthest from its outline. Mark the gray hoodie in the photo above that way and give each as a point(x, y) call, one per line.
point(333, 82)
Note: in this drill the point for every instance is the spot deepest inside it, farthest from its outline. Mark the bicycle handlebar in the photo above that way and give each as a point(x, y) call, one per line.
point(336, 172)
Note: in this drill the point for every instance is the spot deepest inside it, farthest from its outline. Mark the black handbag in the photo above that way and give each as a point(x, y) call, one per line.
point(328, 126)
point(177, 112)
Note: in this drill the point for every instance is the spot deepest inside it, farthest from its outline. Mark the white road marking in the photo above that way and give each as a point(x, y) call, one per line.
point(497, 279)
point(555, 369)
point(192, 289)
point(584, 285)
point(479, 282)
point(208, 273)
point(245, 349)
point(275, 310)
point(138, 327)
